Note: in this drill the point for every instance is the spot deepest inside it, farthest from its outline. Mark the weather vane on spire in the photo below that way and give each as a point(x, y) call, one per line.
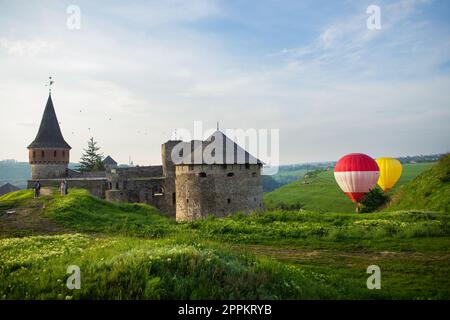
point(49, 85)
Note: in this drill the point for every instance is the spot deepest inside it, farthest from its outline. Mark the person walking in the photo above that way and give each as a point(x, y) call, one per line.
point(37, 189)
point(66, 187)
point(62, 188)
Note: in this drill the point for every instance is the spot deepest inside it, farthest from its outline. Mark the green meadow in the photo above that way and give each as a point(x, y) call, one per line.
point(318, 250)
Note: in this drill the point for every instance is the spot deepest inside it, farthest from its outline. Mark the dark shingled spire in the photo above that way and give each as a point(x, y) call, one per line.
point(49, 135)
point(109, 161)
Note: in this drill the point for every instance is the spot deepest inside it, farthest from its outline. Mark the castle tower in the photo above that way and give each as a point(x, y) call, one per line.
point(217, 185)
point(49, 152)
point(169, 174)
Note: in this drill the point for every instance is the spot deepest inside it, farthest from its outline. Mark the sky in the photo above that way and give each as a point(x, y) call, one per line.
point(137, 70)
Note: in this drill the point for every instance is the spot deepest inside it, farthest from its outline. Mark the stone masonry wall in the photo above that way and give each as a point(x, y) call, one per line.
point(48, 171)
point(217, 189)
point(96, 187)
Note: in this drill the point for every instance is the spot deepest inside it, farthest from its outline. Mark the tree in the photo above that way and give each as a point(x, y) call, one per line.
point(373, 200)
point(91, 160)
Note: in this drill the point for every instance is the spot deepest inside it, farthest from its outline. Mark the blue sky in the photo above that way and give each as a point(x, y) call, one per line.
point(311, 69)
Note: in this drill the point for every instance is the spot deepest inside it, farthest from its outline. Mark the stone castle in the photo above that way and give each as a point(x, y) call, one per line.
point(215, 176)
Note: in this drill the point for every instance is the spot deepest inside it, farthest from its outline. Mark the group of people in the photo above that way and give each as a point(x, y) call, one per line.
point(63, 188)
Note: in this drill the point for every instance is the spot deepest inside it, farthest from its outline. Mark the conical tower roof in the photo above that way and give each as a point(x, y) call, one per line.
point(49, 134)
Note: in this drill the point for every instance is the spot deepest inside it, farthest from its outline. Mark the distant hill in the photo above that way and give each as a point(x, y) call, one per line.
point(318, 191)
point(14, 172)
point(7, 188)
point(430, 190)
point(18, 173)
point(290, 173)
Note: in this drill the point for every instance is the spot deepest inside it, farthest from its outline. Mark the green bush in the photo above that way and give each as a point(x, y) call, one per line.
point(374, 200)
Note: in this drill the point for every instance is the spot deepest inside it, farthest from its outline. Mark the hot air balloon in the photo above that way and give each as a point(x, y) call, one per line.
point(390, 172)
point(356, 174)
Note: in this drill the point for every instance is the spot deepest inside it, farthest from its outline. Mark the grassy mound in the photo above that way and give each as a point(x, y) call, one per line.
point(83, 212)
point(15, 199)
point(318, 191)
point(428, 191)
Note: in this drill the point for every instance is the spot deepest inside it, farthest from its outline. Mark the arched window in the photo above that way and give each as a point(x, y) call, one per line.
point(230, 174)
point(202, 174)
point(229, 200)
point(117, 185)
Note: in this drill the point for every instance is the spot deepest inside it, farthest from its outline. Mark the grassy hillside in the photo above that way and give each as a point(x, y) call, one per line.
point(131, 251)
point(83, 212)
point(320, 192)
point(429, 190)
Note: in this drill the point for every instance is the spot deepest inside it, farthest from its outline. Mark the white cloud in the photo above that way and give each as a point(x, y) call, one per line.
point(27, 48)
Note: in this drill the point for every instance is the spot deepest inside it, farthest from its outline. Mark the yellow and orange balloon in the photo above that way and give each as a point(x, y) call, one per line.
point(390, 172)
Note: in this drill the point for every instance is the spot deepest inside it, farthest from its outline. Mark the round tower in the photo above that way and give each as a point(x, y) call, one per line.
point(49, 153)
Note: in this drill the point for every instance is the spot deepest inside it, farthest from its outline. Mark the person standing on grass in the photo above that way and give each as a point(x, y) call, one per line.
point(62, 188)
point(66, 187)
point(37, 189)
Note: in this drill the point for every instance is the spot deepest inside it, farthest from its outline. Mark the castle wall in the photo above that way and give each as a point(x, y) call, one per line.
point(96, 187)
point(137, 172)
point(93, 174)
point(217, 189)
point(48, 171)
point(168, 203)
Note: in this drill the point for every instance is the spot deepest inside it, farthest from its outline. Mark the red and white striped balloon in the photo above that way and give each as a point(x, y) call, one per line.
point(356, 174)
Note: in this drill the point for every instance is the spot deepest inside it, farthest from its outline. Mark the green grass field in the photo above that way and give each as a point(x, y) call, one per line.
point(319, 192)
point(429, 190)
point(130, 251)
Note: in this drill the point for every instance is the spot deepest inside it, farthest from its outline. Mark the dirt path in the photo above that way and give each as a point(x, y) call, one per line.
point(29, 219)
point(295, 254)
point(46, 191)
